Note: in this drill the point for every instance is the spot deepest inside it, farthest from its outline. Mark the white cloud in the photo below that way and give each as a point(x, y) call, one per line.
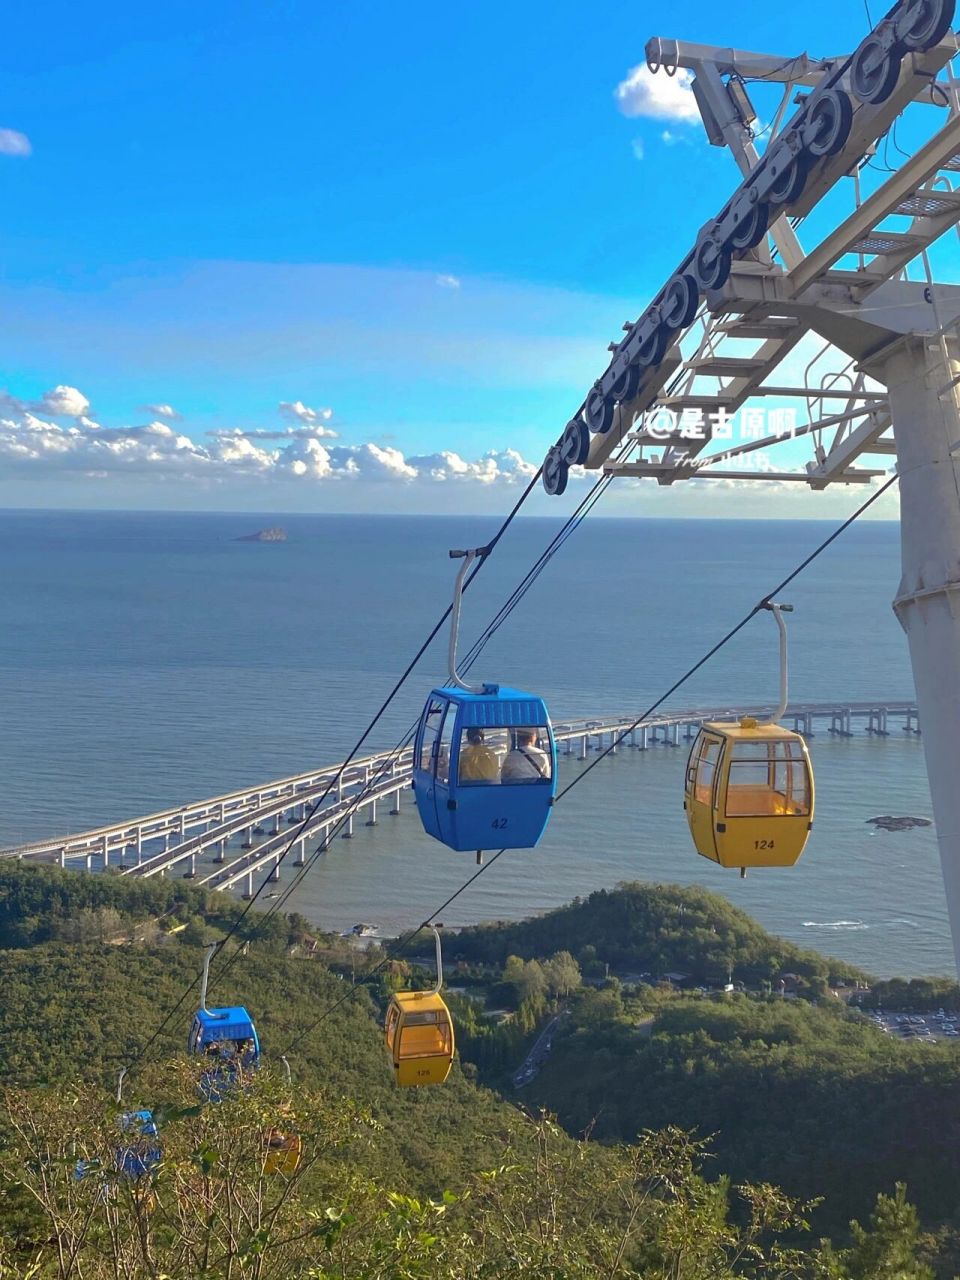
point(63, 402)
point(311, 417)
point(659, 97)
point(505, 465)
point(162, 411)
point(33, 445)
point(274, 433)
point(636, 147)
point(448, 282)
point(14, 143)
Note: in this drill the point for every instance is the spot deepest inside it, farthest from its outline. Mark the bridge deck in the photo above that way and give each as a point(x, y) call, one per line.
point(179, 835)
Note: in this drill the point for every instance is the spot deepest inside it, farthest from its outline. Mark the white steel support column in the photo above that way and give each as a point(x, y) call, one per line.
point(918, 374)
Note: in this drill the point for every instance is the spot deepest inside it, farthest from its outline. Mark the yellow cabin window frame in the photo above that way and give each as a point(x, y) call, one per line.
point(758, 773)
point(429, 1018)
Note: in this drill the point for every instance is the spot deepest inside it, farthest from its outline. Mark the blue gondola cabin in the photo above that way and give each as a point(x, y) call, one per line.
point(485, 768)
point(141, 1152)
point(227, 1040)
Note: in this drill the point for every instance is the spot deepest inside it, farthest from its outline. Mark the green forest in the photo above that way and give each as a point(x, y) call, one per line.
point(671, 1131)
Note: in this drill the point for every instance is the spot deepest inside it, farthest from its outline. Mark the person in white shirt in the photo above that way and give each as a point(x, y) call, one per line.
point(526, 762)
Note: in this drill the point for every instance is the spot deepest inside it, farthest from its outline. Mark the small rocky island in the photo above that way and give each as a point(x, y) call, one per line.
point(887, 822)
point(265, 535)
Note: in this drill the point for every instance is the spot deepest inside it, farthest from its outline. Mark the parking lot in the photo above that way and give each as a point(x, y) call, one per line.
point(927, 1027)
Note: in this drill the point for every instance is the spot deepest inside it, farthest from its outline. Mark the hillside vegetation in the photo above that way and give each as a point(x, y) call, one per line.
point(450, 1182)
point(654, 929)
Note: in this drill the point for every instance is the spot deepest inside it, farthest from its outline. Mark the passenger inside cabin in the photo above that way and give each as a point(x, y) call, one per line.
point(525, 762)
point(477, 762)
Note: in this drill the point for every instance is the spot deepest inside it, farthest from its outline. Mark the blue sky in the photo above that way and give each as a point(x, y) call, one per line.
point(415, 226)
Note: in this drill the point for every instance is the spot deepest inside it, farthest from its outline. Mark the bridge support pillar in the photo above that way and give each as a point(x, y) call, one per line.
point(248, 892)
point(644, 737)
point(583, 748)
point(106, 851)
point(191, 871)
point(62, 858)
point(921, 374)
point(275, 870)
point(372, 820)
point(89, 861)
point(166, 842)
point(397, 795)
point(219, 851)
point(301, 859)
point(275, 829)
point(348, 834)
point(246, 838)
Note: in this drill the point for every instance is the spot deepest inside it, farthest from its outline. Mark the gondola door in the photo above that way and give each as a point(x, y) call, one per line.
point(425, 764)
point(702, 773)
point(444, 765)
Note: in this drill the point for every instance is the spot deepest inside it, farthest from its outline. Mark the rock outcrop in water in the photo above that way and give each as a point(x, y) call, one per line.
point(886, 822)
point(265, 535)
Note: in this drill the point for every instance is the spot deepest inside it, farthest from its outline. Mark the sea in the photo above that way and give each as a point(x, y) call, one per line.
point(149, 659)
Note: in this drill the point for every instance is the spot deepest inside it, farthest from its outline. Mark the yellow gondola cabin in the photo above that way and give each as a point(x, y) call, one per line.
point(420, 1032)
point(420, 1038)
point(749, 794)
point(282, 1152)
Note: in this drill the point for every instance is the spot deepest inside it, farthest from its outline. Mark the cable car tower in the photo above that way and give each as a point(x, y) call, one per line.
point(857, 309)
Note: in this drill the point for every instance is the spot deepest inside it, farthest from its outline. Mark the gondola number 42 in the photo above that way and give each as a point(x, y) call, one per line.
point(499, 824)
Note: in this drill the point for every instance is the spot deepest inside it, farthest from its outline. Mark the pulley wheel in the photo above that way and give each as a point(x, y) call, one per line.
point(652, 349)
point(874, 71)
point(574, 444)
point(598, 411)
point(711, 263)
point(788, 184)
point(828, 124)
point(753, 228)
point(555, 472)
point(625, 387)
point(680, 301)
point(925, 23)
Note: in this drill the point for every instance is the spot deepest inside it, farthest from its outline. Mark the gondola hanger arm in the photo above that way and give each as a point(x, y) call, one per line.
point(468, 556)
point(778, 610)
